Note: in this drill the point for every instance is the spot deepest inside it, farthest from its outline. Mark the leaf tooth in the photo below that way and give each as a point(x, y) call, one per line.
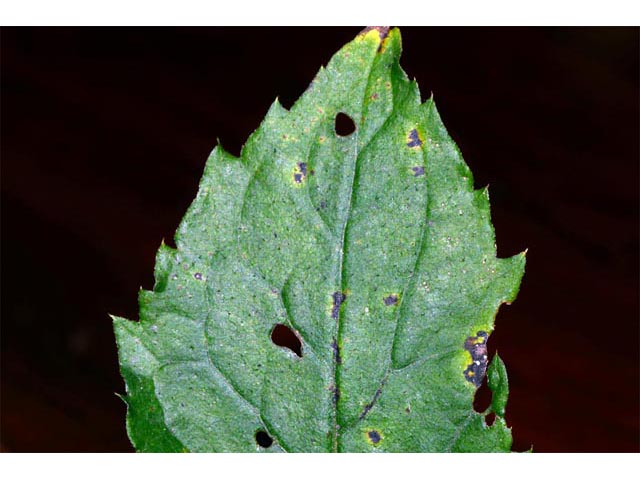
point(512, 268)
point(164, 261)
point(276, 111)
point(219, 152)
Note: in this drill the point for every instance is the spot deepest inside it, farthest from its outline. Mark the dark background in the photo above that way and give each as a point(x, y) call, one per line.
point(105, 133)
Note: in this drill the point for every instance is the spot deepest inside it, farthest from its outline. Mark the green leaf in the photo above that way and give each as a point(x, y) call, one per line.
point(498, 384)
point(328, 292)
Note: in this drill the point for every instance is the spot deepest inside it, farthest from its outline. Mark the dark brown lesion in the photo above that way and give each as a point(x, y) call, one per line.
point(374, 436)
point(336, 352)
point(301, 171)
point(477, 348)
point(418, 171)
point(391, 299)
point(335, 394)
point(414, 139)
point(370, 405)
point(338, 298)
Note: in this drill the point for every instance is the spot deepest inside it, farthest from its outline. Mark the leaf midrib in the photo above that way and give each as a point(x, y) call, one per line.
point(345, 230)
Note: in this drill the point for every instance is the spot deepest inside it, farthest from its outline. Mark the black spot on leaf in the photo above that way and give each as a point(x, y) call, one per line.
point(263, 439)
point(300, 174)
point(391, 300)
point(344, 125)
point(284, 337)
point(374, 436)
point(370, 405)
point(338, 298)
point(336, 395)
point(477, 348)
point(417, 171)
point(336, 352)
point(414, 139)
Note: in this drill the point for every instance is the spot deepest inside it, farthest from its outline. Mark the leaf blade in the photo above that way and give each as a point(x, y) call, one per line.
point(372, 247)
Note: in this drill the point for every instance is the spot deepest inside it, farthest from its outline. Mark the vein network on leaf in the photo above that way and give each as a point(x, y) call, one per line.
point(333, 289)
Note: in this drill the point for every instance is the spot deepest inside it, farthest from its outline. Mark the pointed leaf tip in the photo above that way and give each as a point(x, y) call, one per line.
point(383, 32)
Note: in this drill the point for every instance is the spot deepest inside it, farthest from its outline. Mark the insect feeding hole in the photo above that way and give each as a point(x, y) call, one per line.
point(284, 337)
point(345, 125)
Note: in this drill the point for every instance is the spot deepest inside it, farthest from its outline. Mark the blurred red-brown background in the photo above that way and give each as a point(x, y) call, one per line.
point(104, 137)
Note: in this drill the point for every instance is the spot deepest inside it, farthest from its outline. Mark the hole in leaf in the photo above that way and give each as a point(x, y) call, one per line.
point(263, 439)
point(489, 419)
point(482, 399)
point(169, 241)
point(344, 125)
point(284, 337)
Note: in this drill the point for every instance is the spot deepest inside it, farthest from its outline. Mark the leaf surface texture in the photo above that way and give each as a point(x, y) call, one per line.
point(330, 291)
